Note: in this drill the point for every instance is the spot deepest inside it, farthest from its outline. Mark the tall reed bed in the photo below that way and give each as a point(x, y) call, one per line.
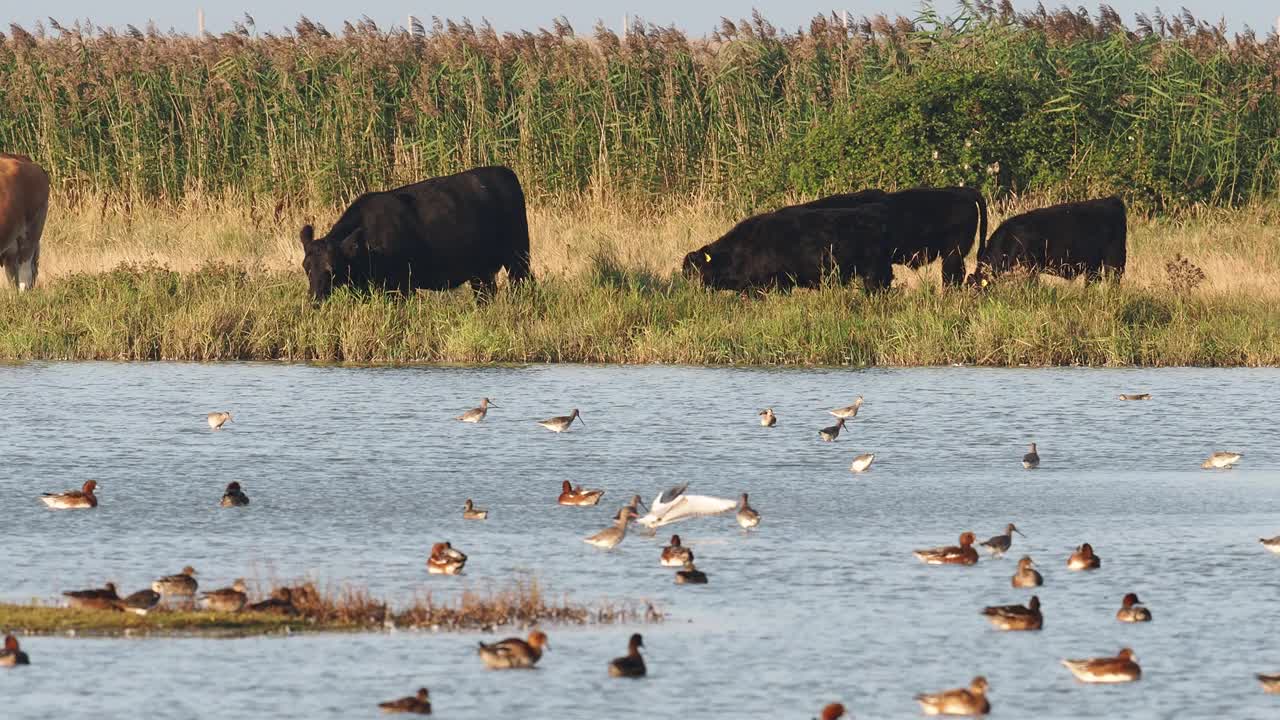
point(1171, 111)
point(225, 313)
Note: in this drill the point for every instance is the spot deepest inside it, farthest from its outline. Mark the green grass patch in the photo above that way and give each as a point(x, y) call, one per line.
point(220, 313)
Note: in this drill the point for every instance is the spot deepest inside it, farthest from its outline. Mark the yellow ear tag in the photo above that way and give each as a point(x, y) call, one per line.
point(707, 256)
point(984, 282)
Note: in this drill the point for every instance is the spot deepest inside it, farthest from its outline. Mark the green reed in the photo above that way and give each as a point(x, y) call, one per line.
point(1171, 113)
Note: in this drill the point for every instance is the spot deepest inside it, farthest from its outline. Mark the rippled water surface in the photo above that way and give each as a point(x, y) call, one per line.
point(354, 472)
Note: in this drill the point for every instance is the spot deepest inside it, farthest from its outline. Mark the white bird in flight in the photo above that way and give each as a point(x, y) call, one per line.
point(674, 505)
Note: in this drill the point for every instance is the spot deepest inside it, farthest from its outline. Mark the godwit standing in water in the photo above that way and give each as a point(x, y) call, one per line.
point(829, 434)
point(475, 415)
point(562, 423)
point(848, 412)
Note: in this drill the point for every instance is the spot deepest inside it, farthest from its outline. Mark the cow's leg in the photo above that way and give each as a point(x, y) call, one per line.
point(483, 287)
point(29, 268)
point(11, 269)
point(26, 273)
point(953, 269)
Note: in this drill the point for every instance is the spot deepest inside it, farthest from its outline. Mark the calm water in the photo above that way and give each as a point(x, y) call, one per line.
point(354, 473)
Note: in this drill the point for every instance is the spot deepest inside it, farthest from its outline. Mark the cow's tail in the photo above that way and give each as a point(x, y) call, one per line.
point(982, 221)
point(518, 269)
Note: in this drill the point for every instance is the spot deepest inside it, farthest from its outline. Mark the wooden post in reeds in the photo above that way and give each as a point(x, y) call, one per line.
point(626, 26)
point(200, 22)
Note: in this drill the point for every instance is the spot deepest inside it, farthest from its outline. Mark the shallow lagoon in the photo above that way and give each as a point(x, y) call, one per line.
point(354, 472)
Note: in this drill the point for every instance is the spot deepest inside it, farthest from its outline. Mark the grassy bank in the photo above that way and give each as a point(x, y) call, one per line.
point(345, 610)
point(222, 280)
point(221, 313)
point(1169, 110)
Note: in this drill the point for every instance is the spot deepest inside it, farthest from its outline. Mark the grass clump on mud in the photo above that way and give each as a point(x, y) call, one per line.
point(224, 313)
point(348, 608)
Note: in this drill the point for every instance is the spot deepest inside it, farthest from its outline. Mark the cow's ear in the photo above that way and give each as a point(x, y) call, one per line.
point(308, 235)
point(352, 243)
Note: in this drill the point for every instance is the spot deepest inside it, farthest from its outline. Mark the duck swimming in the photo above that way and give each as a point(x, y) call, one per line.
point(961, 701)
point(1135, 396)
point(577, 497)
point(862, 462)
point(1016, 617)
point(1026, 576)
point(631, 664)
point(444, 560)
point(234, 496)
point(1272, 544)
point(1084, 559)
point(951, 555)
point(73, 499)
point(469, 512)
point(999, 545)
point(12, 655)
point(514, 653)
point(1270, 683)
point(748, 518)
point(690, 575)
point(834, 711)
point(419, 704)
point(218, 419)
point(1031, 460)
point(675, 554)
point(1221, 461)
point(1131, 611)
point(1120, 669)
point(767, 418)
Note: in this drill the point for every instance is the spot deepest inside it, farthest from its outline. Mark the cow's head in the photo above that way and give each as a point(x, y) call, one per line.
point(327, 260)
point(700, 264)
point(980, 278)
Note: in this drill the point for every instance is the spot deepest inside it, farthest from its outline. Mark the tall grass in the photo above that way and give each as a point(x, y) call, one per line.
point(225, 313)
point(1171, 112)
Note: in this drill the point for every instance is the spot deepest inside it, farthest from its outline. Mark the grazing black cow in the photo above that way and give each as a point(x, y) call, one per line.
point(1083, 238)
point(925, 224)
point(797, 247)
point(435, 235)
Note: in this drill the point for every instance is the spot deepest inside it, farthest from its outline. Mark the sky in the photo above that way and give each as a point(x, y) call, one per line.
point(695, 17)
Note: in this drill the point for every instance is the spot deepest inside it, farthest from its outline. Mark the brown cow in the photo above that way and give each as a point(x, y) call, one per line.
point(24, 202)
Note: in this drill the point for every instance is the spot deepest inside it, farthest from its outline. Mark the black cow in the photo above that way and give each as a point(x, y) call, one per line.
point(1083, 238)
point(797, 247)
point(435, 235)
point(925, 224)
